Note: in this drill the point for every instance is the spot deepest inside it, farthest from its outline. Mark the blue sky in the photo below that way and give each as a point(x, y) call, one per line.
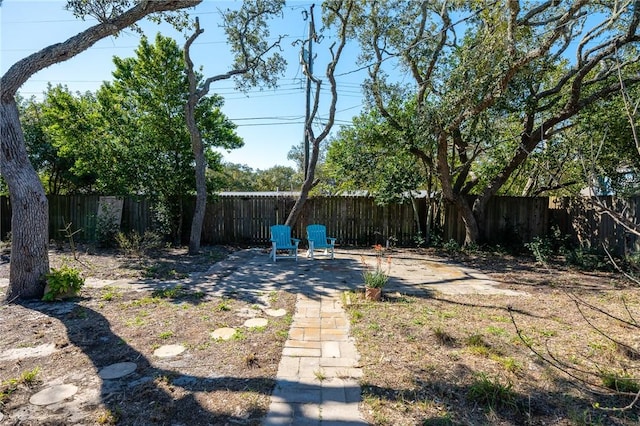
point(270, 121)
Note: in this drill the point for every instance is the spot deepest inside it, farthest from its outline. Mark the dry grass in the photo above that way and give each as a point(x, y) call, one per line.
point(460, 359)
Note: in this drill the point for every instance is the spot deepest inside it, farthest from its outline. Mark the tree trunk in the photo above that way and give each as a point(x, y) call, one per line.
point(29, 208)
point(307, 185)
point(201, 184)
point(472, 232)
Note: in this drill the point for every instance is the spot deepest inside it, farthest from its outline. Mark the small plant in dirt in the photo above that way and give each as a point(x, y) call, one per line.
point(491, 392)
point(169, 292)
point(69, 234)
point(376, 277)
point(109, 417)
point(63, 282)
point(166, 335)
point(443, 337)
point(27, 378)
point(109, 293)
point(251, 360)
point(320, 375)
point(223, 306)
point(620, 382)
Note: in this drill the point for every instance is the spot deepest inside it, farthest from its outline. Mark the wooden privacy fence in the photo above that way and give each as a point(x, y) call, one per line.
point(353, 220)
point(587, 223)
point(509, 220)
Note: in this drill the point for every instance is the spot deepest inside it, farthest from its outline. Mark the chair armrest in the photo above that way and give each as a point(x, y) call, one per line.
point(296, 241)
point(332, 240)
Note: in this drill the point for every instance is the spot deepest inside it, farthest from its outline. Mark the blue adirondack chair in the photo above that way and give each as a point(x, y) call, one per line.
point(281, 240)
point(318, 240)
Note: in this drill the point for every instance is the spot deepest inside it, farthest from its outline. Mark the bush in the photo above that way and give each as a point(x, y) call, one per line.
point(135, 245)
point(451, 246)
point(586, 259)
point(61, 283)
point(541, 248)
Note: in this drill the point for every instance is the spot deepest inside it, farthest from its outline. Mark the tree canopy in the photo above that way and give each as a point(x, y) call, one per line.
point(489, 92)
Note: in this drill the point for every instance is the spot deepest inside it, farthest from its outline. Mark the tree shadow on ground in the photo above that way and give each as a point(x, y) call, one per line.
point(153, 393)
point(159, 391)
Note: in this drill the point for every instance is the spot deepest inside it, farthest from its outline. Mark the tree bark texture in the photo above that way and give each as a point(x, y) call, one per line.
point(30, 209)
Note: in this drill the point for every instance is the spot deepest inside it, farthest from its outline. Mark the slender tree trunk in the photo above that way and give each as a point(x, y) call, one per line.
point(29, 209)
point(472, 232)
point(307, 185)
point(201, 184)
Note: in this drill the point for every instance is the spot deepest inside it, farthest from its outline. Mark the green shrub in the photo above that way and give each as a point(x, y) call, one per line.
point(451, 246)
point(419, 240)
point(135, 245)
point(63, 282)
point(541, 248)
point(586, 259)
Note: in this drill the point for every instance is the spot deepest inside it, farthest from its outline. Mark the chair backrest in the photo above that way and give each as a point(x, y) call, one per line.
point(281, 234)
point(317, 234)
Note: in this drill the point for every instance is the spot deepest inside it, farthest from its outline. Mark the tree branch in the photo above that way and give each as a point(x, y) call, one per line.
point(20, 72)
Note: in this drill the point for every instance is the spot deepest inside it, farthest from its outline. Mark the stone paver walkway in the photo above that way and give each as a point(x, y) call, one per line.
point(317, 380)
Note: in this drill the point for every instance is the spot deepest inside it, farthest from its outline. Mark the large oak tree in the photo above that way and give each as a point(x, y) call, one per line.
point(29, 223)
point(492, 82)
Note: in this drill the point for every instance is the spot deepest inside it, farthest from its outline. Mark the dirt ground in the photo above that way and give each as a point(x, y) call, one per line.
point(219, 382)
point(436, 360)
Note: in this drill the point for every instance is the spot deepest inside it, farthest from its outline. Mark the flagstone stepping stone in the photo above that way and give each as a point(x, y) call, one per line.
point(275, 312)
point(256, 322)
point(224, 333)
point(167, 351)
point(53, 394)
point(34, 352)
point(115, 371)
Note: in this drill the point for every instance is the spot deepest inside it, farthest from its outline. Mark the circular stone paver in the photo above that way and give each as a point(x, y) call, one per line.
point(256, 322)
point(115, 371)
point(275, 312)
point(168, 351)
point(53, 394)
point(224, 333)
